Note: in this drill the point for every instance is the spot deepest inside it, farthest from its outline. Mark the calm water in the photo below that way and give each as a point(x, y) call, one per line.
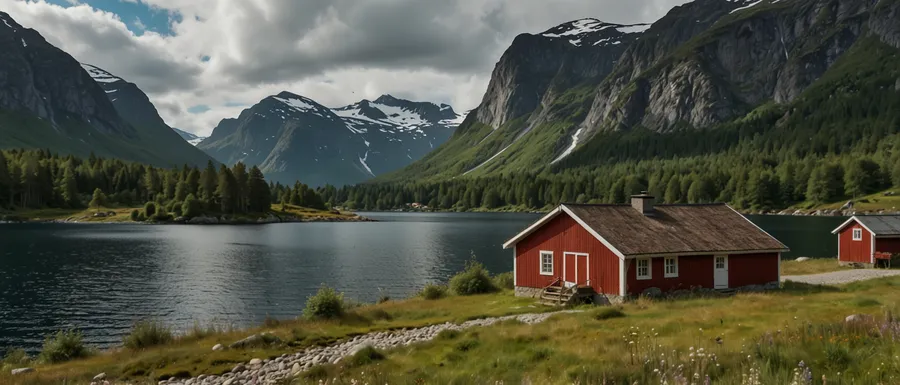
point(102, 278)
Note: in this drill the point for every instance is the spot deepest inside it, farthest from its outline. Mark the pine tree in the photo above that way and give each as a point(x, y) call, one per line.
point(6, 186)
point(99, 199)
point(258, 192)
point(208, 181)
point(68, 187)
point(227, 191)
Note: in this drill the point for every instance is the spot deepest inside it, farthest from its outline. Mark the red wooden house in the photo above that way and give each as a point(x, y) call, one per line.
point(616, 251)
point(867, 239)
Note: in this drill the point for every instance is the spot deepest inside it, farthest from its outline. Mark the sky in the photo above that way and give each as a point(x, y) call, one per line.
point(201, 61)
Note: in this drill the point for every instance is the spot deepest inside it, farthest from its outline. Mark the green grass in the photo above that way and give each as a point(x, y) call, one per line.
point(123, 214)
point(812, 266)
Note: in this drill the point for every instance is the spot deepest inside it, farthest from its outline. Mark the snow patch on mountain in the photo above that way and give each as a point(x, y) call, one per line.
point(99, 75)
point(24, 44)
point(635, 28)
point(571, 147)
point(7, 24)
point(301, 104)
point(752, 4)
point(489, 159)
point(592, 32)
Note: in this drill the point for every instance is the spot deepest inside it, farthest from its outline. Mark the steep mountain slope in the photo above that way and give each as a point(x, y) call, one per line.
point(705, 64)
point(518, 119)
point(135, 107)
point(292, 137)
point(47, 100)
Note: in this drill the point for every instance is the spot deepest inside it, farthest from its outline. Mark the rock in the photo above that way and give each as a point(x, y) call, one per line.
point(203, 220)
point(19, 371)
point(247, 342)
point(239, 368)
point(652, 292)
point(218, 347)
point(802, 259)
point(228, 381)
point(295, 369)
point(853, 318)
point(847, 206)
point(100, 377)
point(255, 362)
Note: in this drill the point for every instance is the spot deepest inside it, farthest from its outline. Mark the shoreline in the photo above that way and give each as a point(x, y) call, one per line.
point(202, 220)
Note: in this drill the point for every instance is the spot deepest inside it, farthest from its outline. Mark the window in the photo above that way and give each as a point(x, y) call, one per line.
point(720, 263)
point(546, 263)
point(857, 234)
point(643, 269)
point(671, 267)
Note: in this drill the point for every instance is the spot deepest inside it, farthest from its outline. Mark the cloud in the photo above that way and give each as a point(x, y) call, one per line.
point(229, 54)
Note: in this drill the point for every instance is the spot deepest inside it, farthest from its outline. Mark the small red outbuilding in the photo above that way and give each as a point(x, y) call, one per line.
point(621, 250)
point(868, 238)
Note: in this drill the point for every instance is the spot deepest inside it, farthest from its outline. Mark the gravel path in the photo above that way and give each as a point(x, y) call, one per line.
point(266, 371)
point(843, 276)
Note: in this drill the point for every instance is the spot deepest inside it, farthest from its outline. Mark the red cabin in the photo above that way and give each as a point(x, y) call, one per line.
point(616, 251)
point(864, 240)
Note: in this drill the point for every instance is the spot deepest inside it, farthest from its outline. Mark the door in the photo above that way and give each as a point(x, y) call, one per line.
point(581, 270)
point(721, 271)
point(569, 266)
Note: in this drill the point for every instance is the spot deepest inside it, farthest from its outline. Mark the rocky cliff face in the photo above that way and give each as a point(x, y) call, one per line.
point(292, 137)
point(48, 100)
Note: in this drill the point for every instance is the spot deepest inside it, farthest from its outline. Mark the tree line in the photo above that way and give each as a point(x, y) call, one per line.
point(31, 179)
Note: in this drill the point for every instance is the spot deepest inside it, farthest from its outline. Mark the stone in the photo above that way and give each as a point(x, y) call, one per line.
point(296, 369)
point(239, 368)
point(218, 347)
point(802, 259)
point(847, 206)
point(255, 362)
point(228, 381)
point(19, 371)
point(652, 292)
point(100, 377)
point(247, 342)
point(853, 318)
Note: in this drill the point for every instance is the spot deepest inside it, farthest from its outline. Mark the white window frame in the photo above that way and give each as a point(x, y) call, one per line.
point(637, 269)
point(666, 272)
point(541, 262)
point(857, 234)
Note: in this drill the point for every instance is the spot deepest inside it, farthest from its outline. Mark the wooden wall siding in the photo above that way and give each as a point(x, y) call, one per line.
point(752, 269)
point(563, 234)
point(855, 251)
point(887, 245)
point(693, 271)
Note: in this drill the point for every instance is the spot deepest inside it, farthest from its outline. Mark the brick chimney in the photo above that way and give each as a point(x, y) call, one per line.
point(643, 203)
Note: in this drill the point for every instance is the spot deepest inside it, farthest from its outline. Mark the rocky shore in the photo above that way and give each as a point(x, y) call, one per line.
point(274, 371)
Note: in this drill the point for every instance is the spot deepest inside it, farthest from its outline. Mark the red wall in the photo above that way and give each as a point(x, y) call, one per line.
point(855, 251)
point(563, 234)
point(693, 271)
point(887, 245)
point(752, 269)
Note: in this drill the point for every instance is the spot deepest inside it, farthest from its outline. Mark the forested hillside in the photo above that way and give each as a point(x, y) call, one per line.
point(34, 179)
point(831, 135)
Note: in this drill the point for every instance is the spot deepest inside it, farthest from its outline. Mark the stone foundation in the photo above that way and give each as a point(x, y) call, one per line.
point(858, 265)
point(531, 292)
point(598, 299)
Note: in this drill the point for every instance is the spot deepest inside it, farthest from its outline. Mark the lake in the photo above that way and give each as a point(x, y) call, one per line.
point(102, 278)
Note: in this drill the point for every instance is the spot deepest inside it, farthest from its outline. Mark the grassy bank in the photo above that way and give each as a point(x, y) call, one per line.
point(123, 215)
point(812, 266)
point(765, 335)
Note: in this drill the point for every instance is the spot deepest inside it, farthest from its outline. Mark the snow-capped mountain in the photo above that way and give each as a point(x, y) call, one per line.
point(592, 32)
point(292, 137)
point(189, 137)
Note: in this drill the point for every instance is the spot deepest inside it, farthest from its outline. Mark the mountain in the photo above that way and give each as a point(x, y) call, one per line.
point(566, 98)
point(47, 100)
point(189, 137)
point(292, 137)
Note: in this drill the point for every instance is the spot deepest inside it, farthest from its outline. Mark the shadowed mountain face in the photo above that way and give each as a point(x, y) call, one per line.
point(556, 94)
point(292, 137)
point(48, 100)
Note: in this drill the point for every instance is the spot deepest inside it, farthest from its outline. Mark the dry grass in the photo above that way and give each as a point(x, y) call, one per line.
point(812, 266)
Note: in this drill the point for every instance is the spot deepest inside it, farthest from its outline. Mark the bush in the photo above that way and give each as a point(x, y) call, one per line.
point(475, 279)
point(176, 209)
point(191, 207)
point(161, 217)
point(504, 281)
point(365, 356)
point(15, 357)
point(150, 209)
point(146, 334)
point(135, 214)
point(63, 346)
point(432, 292)
point(447, 334)
point(607, 313)
point(142, 217)
point(382, 296)
point(326, 304)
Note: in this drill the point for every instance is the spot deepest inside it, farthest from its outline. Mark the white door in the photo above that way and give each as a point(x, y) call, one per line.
point(721, 271)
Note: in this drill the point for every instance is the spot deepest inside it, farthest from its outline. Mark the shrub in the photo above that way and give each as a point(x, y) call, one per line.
point(16, 357)
point(467, 345)
point(504, 281)
point(317, 372)
point(191, 207)
point(607, 313)
point(63, 346)
point(146, 334)
point(448, 334)
point(161, 217)
point(199, 332)
point(365, 356)
point(326, 304)
point(176, 209)
point(135, 214)
point(142, 217)
point(382, 296)
point(150, 209)
point(432, 291)
point(475, 279)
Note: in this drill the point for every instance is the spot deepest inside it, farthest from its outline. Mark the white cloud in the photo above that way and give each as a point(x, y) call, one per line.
point(336, 52)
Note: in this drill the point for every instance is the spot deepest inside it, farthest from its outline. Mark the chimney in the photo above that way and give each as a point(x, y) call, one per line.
point(643, 203)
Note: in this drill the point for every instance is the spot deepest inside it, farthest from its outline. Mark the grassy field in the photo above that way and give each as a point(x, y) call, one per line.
point(874, 202)
point(767, 334)
point(812, 266)
point(123, 214)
